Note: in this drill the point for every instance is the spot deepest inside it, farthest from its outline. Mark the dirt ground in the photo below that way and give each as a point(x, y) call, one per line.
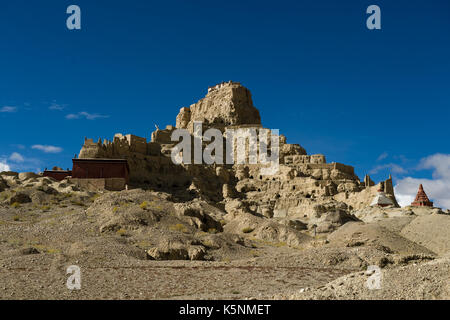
point(109, 238)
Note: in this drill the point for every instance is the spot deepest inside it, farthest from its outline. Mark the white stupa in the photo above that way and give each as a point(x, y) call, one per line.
point(381, 200)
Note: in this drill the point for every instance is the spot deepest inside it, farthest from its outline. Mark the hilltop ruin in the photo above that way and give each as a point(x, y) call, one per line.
point(305, 187)
point(305, 232)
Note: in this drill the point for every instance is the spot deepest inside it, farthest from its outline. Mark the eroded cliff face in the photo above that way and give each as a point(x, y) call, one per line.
point(306, 191)
point(226, 104)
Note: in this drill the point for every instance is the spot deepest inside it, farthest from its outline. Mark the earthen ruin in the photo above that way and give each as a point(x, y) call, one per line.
point(304, 187)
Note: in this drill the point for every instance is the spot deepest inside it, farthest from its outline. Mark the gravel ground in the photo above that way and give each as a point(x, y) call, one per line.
point(36, 247)
point(37, 244)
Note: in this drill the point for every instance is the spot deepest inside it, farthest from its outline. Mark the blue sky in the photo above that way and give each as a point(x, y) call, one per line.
point(377, 100)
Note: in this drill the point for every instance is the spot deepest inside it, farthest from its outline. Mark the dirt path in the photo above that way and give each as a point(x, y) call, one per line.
point(162, 282)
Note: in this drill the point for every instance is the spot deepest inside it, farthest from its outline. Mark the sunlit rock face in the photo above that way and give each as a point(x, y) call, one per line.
point(226, 104)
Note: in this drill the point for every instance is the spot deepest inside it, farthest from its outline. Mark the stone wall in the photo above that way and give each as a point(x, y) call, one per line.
point(110, 184)
point(137, 144)
point(362, 199)
point(119, 148)
point(163, 136)
point(302, 159)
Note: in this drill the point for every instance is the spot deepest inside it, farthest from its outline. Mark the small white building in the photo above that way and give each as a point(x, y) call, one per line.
point(381, 200)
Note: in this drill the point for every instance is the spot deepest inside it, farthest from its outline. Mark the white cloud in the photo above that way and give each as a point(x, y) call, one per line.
point(4, 166)
point(16, 157)
point(86, 115)
point(8, 109)
point(437, 189)
point(28, 164)
point(56, 106)
point(394, 168)
point(382, 156)
point(406, 199)
point(440, 163)
point(47, 149)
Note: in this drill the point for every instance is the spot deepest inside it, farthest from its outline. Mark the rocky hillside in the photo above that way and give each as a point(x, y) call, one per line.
point(116, 237)
point(308, 231)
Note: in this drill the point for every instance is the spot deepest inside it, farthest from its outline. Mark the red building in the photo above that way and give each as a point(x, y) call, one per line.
point(422, 199)
point(100, 169)
point(57, 174)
